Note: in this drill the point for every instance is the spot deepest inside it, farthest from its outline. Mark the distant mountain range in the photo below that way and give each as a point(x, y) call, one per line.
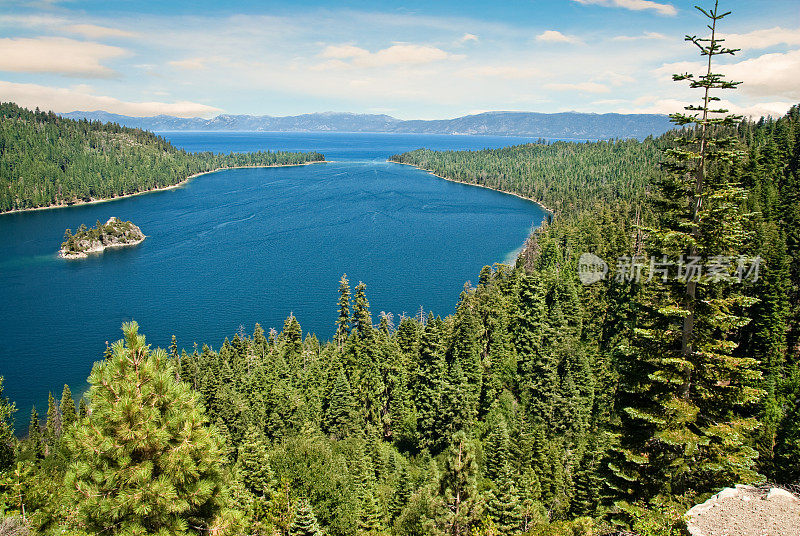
point(532, 124)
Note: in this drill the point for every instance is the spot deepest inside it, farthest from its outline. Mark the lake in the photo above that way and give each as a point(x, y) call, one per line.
point(236, 247)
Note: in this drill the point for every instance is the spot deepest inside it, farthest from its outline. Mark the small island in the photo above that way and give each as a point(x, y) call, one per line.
point(114, 233)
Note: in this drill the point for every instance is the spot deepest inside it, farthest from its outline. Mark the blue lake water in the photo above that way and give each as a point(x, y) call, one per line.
point(237, 247)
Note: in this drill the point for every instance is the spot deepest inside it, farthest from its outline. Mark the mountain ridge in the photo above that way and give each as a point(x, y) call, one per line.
point(578, 125)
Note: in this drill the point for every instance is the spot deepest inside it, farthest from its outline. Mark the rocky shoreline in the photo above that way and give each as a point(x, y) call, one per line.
point(113, 234)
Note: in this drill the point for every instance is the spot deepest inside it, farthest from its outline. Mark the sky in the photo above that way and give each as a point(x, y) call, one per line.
point(412, 60)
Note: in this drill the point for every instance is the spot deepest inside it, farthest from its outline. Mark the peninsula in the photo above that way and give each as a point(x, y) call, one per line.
point(114, 233)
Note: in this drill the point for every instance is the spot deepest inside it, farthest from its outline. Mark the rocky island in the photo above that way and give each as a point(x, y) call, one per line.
point(114, 233)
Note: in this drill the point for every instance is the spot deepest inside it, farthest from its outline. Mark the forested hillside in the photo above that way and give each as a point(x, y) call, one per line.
point(46, 160)
point(563, 176)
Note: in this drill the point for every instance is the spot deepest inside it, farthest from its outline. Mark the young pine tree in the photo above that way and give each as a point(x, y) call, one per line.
point(343, 321)
point(7, 440)
point(341, 415)
point(457, 487)
point(254, 462)
point(362, 319)
point(144, 460)
point(35, 439)
point(53, 425)
point(304, 522)
point(67, 408)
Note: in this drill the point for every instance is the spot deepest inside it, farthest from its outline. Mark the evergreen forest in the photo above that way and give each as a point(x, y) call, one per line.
point(47, 160)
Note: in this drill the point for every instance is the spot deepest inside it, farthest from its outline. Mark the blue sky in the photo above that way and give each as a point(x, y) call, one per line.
point(422, 59)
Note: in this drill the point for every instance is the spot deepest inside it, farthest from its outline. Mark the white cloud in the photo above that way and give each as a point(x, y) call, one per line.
point(645, 36)
point(656, 105)
point(554, 36)
point(401, 54)
point(634, 5)
point(72, 99)
point(466, 38)
point(584, 87)
point(507, 72)
point(57, 55)
point(773, 75)
point(614, 78)
point(93, 31)
point(769, 75)
point(191, 64)
point(763, 38)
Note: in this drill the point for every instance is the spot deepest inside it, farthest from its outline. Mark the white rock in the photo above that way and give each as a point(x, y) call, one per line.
point(778, 494)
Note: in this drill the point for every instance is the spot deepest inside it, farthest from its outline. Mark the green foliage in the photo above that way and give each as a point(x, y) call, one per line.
point(36, 440)
point(582, 526)
point(685, 401)
point(304, 522)
point(67, 408)
point(113, 231)
point(659, 518)
point(341, 415)
point(144, 460)
point(48, 160)
point(7, 440)
point(564, 176)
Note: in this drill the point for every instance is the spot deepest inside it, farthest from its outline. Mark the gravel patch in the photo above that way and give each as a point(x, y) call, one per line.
point(746, 511)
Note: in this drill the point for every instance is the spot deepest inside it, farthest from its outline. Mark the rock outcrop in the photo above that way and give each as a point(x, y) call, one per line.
point(114, 233)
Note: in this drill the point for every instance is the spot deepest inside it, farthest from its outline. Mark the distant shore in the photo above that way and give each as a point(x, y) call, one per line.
point(532, 200)
point(151, 190)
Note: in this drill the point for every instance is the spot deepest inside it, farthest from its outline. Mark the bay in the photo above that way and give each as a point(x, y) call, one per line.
point(236, 247)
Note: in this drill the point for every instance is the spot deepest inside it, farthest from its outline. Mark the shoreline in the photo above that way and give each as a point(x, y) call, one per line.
point(532, 200)
point(101, 249)
point(151, 190)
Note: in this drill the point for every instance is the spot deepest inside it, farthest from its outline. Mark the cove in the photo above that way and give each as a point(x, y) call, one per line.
point(236, 247)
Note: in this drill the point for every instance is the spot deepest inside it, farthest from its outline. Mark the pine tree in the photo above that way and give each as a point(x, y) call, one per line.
point(467, 352)
point(402, 492)
point(293, 336)
point(369, 516)
point(7, 441)
point(430, 383)
point(53, 424)
point(504, 507)
point(496, 447)
point(537, 364)
point(304, 522)
point(35, 439)
point(83, 411)
point(362, 320)
point(341, 415)
point(458, 487)
point(253, 462)
point(684, 389)
point(67, 408)
point(343, 321)
point(144, 459)
point(457, 410)
point(175, 356)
